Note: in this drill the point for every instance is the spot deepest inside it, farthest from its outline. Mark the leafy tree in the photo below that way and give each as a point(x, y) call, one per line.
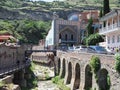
point(89, 27)
point(106, 8)
point(95, 63)
point(94, 39)
point(27, 31)
point(101, 13)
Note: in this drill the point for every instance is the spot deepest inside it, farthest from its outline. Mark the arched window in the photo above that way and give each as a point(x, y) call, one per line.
point(66, 37)
point(72, 37)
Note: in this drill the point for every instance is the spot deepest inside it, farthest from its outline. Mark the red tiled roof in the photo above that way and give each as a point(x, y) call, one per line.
point(5, 37)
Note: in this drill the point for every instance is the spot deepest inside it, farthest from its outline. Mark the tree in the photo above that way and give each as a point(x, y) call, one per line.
point(89, 27)
point(94, 39)
point(101, 13)
point(106, 8)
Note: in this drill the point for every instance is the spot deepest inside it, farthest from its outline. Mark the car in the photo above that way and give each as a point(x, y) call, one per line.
point(80, 48)
point(71, 48)
point(110, 51)
point(86, 50)
point(99, 49)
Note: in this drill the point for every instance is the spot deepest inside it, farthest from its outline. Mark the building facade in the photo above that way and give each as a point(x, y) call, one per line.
point(110, 27)
point(65, 33)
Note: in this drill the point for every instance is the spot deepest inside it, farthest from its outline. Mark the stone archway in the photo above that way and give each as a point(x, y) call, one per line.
point(103, 80)
point(63, 68)
point(88, 78)
point(69, 73)
point(59, 64)
point(77, 77)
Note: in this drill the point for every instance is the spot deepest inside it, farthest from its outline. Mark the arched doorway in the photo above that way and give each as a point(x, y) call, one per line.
point(88, 78)
point(69, 73)
point(77, 77)
point(59, 64)
point(103, 80)
point(63, 69)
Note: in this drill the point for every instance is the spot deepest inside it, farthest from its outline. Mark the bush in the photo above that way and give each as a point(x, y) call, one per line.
point(117, 57)
point(95, 63)
point(2, 83)
point(117, 64)
point(60, 83)
point(56, 79)
point(108, 82)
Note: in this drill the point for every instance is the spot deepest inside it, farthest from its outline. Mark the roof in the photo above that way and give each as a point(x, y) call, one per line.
point(110, 14)
point(6, 37)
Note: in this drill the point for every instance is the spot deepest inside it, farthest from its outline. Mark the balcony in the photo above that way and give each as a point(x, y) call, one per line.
point(109, 29)
point(68, 41)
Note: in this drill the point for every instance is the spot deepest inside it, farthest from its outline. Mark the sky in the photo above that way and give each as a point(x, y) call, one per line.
point(47, 0)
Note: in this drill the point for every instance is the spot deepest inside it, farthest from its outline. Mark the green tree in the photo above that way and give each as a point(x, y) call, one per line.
point(89, 27)
point(106, 8)
point(101, 13)
point(95, 63)
point(94, 39)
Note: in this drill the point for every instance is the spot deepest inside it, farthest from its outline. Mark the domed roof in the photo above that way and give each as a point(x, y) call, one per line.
point(73, 17)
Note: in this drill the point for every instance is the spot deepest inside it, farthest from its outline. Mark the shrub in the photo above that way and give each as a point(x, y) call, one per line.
point(117, 57)
point(56, 79)
point(2, 83)
point(117, 64)
point(60, 83)
point(95, 63)
point(108, 82)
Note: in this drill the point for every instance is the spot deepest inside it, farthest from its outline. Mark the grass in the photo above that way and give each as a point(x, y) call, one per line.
point(2, 83)
point(7, 86)
point(60, 83)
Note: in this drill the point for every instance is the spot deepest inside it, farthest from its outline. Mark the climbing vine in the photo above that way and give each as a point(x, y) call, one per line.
point(117, 64)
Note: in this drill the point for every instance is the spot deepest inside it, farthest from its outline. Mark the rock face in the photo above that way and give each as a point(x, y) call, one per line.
point(37, 14)
point(24, 14)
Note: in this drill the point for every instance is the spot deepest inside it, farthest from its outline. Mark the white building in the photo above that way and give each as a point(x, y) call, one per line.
point(111, 29)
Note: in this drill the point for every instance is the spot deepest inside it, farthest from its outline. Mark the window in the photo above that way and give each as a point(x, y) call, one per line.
point(108, 40)
point(66, 37)
point(59, 36)
point(118, 38)
point(113, 39)
point(72, 37)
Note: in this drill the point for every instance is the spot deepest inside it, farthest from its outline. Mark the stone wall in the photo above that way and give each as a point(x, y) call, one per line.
point(10, 55)
point(76, 71)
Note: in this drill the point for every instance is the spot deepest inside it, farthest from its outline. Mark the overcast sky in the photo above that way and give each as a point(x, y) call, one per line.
point(47, 0)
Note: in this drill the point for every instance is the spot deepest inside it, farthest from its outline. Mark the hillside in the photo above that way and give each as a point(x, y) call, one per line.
point(21, 9)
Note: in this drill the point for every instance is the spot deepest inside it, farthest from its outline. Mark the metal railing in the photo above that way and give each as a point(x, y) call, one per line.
point(109, 28)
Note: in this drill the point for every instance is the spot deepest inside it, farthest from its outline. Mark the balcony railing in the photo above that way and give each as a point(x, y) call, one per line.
point(68, 41)
point(110, 28)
